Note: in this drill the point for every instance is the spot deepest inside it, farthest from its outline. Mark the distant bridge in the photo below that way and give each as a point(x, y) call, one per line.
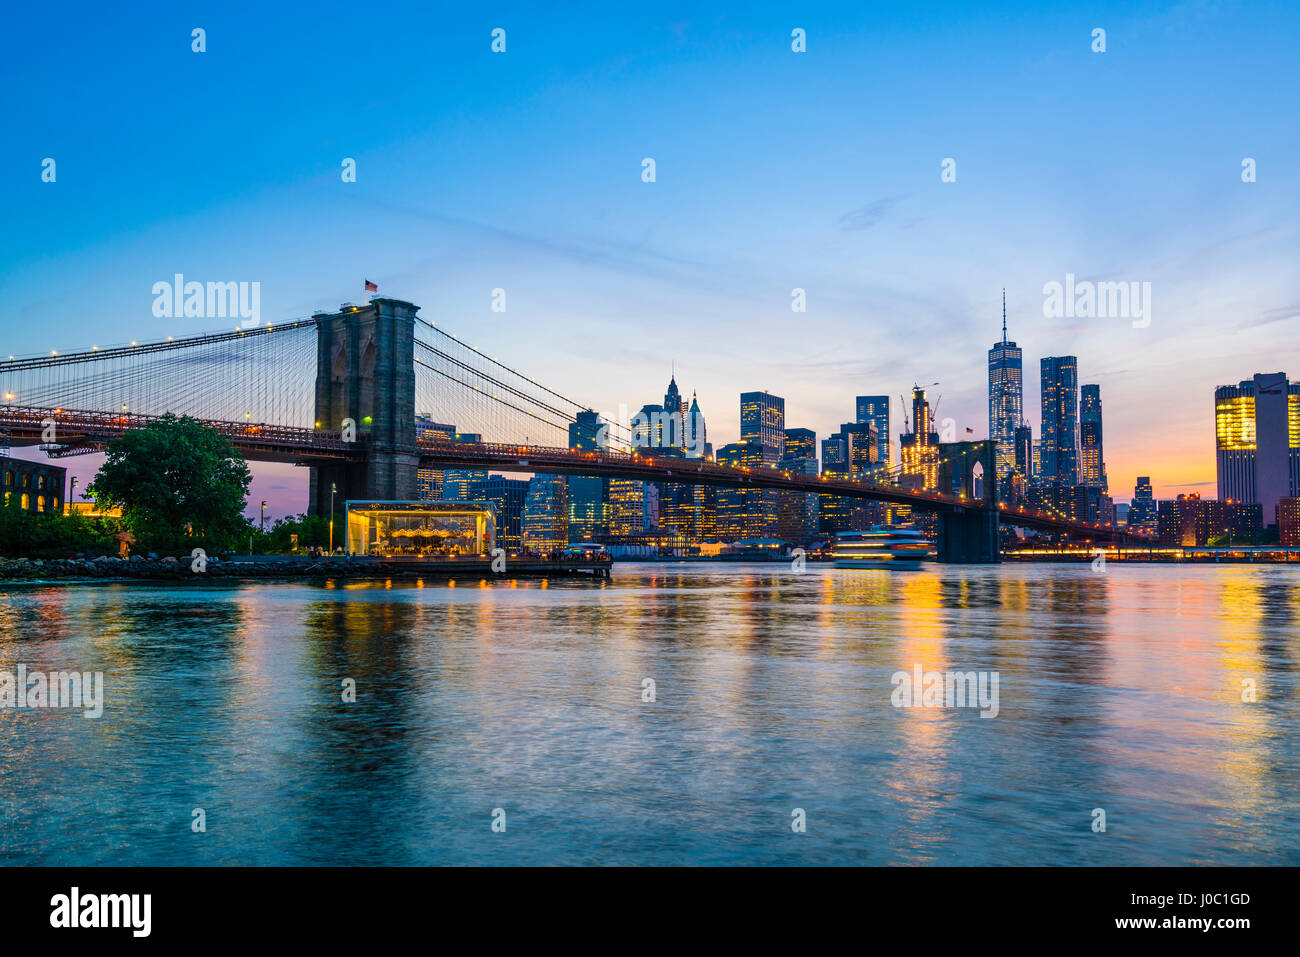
point(339, 393)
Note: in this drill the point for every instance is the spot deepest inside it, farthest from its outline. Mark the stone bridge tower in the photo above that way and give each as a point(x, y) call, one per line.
point(972, 535)
point(365, 372)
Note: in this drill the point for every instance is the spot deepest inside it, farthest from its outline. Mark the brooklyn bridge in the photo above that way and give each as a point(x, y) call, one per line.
point(339, 392)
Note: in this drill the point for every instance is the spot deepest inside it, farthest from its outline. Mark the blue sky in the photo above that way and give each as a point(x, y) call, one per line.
point(775, 170)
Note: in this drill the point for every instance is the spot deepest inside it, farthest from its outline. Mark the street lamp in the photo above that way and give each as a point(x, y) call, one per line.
point(263, 516)
point(333, 488)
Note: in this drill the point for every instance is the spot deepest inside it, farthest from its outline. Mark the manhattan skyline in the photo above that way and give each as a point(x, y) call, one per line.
point(775, 170)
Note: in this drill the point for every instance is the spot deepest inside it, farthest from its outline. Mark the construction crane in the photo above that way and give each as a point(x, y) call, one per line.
point(915, 389)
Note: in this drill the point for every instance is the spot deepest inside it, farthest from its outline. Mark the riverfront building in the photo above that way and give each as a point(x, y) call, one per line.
point(1288, 522)
point(33, 486)
point(420, 531)
point(1257, 441)
point(1192, 520)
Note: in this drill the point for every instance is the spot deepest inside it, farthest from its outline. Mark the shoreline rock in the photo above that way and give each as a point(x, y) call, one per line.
point(170, 568)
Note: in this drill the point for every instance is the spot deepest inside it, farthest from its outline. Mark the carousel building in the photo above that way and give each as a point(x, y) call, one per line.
point(421, 531)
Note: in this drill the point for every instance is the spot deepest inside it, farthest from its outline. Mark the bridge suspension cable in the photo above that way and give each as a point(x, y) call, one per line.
point(264, 374)
point(494, 399)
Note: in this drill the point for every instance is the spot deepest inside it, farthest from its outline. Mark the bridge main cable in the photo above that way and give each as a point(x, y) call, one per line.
point(580, 406)
point(162, 345)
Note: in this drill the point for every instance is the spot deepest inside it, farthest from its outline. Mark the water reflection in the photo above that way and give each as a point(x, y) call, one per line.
point(772, 691)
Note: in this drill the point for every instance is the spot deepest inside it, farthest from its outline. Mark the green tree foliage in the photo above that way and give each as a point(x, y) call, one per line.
point(310, 529)
point(28, 534)
point(179, 483)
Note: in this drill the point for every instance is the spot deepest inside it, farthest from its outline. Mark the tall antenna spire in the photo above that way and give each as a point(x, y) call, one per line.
point(1004, 313)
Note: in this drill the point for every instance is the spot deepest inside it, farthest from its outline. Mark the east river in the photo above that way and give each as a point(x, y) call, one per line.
point(677, 713)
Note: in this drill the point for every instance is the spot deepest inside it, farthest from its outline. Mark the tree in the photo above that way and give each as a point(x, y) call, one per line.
point(179, 483)
point(52, 534)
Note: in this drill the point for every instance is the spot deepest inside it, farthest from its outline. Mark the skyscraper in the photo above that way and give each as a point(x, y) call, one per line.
point(797, 511)
point(675, 413)
point(862, 445)
point(1059, 377)
point(585, 431)
point(1006, 402)
point(587, 494)
point(762, 422)
point(1092, 462)
point(1142, 513)
point(800, 444)
point(920, 448)
point(628, 513)
point(745, 512)
point(546, 520)
point(1257, 438)
point(428, 482)
point(697, 434)
point(875, 408)
point(507, 497)
point(1025, 451)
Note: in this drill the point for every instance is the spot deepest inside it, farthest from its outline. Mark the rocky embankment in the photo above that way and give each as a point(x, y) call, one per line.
point(140, 566)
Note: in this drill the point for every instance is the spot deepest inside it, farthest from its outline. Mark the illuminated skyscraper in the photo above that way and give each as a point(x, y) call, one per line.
point(800, 444)
point(835, 455)
point(875, 409)
point(1142, 514)
point(697, 434)
point(459, 485)
point(797, 511)
point(585, 433)
point(428, 482)
point(1092, 462)
point(546, 520)
point(648, 430)
point(1257, 438)
point(920, 447)
point(507, 497)
point(745, 512)
point(675, 411)
point(762, 422)
point(1025, 451)
point(586, 499)
point(628, 515)
point(1059, 376)
point(1006, 401)
point(862, 445)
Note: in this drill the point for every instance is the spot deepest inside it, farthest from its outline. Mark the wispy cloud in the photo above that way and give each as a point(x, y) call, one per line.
point(866, 217)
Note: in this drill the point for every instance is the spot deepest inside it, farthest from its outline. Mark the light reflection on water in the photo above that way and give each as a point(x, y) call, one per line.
point(1119, 690)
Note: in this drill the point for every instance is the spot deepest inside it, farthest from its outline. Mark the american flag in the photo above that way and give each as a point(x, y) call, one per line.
point(371, 287)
